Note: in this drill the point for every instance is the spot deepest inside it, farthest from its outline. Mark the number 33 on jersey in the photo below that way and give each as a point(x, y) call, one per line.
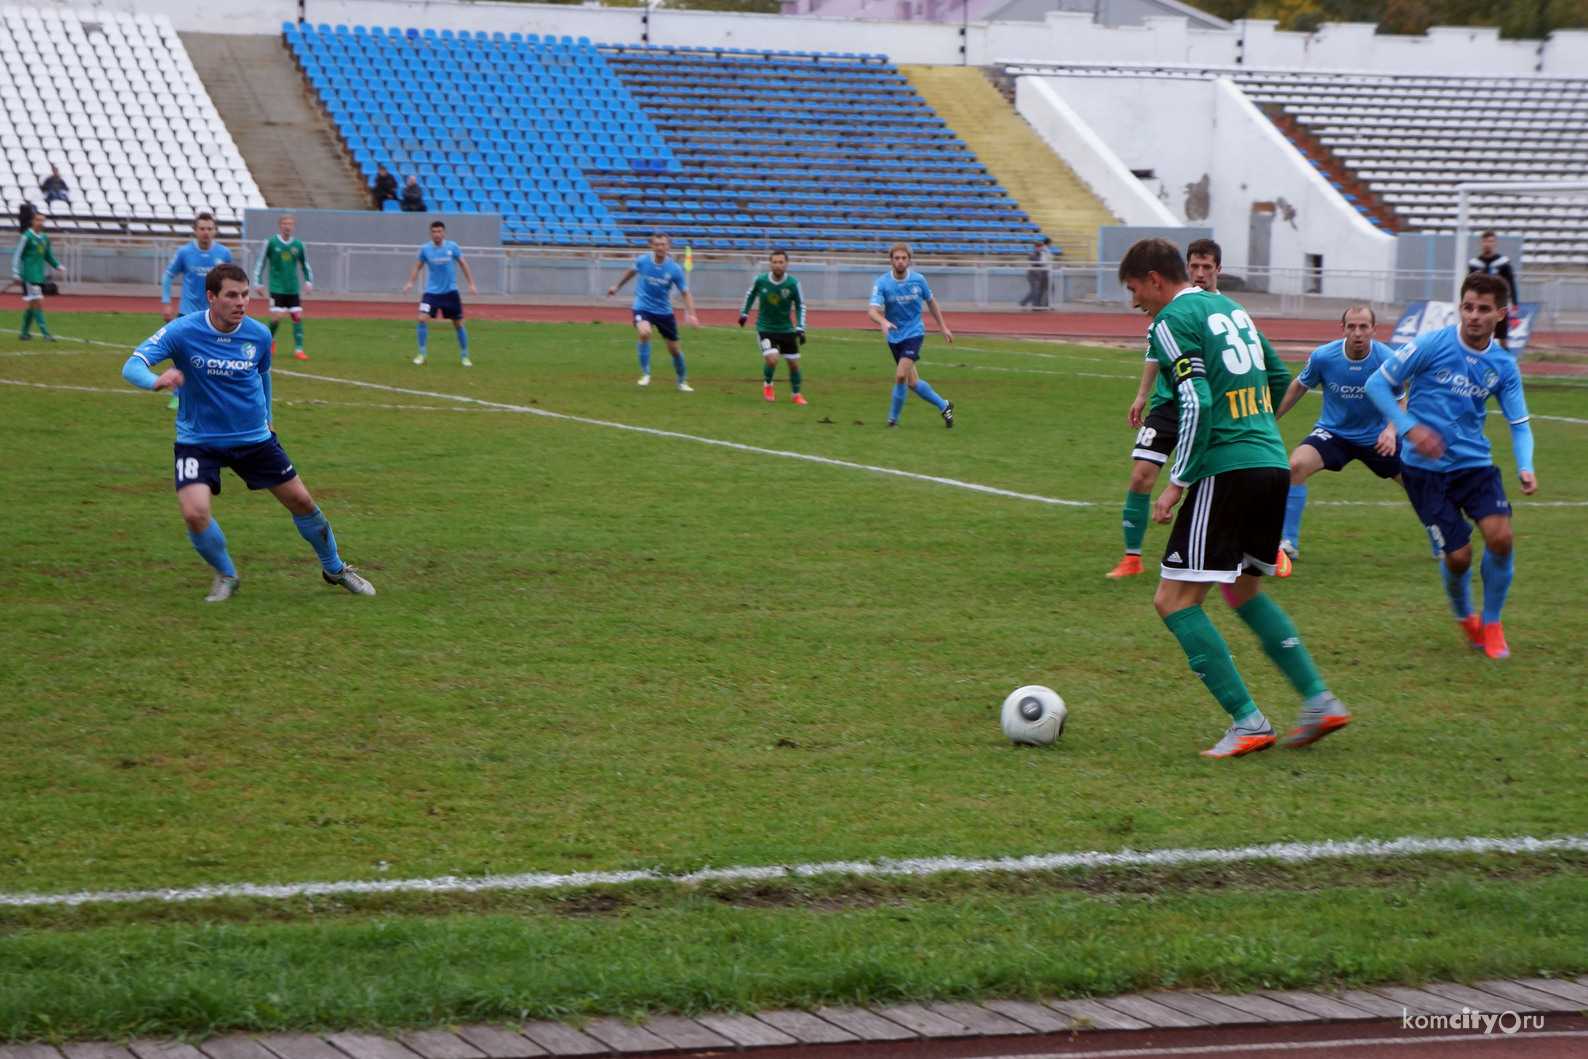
point(1227, 381)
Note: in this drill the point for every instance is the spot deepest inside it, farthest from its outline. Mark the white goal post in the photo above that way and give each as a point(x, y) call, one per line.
point(1464, 192)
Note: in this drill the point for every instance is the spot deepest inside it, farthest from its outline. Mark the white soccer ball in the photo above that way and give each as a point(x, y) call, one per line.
point(1033, 715)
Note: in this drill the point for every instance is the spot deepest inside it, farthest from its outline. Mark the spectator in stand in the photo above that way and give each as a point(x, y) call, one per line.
point(54, 186)
point(413, 199)
point(1494, 263)
point(385, 186)
point(1041, 262)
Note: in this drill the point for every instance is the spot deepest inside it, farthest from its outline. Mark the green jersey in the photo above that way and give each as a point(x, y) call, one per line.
point(283, 259)
point(33, 252)
point(1223, 376)
point(780, 306)
point(1278, 377)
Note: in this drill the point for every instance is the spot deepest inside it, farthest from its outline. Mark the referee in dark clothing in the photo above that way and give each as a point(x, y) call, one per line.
point(1494, 263)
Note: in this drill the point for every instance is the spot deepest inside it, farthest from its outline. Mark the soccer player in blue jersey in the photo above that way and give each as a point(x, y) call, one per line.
point(897, 299)
point(653, 306)
point(193, 263)
point(443, 258)
point(1449, 472)
point(221, 364)
point(1351, 426)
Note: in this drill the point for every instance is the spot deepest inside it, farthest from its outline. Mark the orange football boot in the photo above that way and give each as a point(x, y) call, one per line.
point(800, 400)
point(1129, 566)
point(1494, 641)
point(1472, 625)
point(766, 391)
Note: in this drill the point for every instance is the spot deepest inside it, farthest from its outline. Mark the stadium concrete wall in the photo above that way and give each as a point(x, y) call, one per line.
point(1060, 37)
point(1222, 160)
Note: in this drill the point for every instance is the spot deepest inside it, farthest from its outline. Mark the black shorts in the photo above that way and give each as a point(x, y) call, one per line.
point(1227, 524)
point(664, 324)
point(449, 305)
point(1440, 498)
point(1158, 434)
point(261, 465)
point(909, 347)
point(285, 303)
point(784, 345)
point(1337, 452)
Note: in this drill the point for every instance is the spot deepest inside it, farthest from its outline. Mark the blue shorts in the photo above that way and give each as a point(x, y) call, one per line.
point(665, 324)
point(448, 304)
point(1440, 498)
point(261, 465)
point(1337, 452)
point(909, 347)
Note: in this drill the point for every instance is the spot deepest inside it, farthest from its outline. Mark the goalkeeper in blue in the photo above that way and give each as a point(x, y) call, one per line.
point(898, 298)
point(221, 368)
point(1448, 470)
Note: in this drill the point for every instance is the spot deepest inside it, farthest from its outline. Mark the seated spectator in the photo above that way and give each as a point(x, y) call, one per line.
point(385, 186)
point(54, 186)
point(413, 199)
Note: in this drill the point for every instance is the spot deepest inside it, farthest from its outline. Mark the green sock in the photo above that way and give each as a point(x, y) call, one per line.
point(1282, 643)
point(1210, 659)
point(275, 322)
point(27, 320)
point(767, 371)
point(38, 318)
point(1138, 508)
point(297, 334)
point(794, 377)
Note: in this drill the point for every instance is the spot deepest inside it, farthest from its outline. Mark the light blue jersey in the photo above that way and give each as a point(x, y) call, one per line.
point(902, 301)
point(441, 266)
point(654, 283)
point(1348, 412)
point(1449, 386)
point(193, 265)
point(226, 388)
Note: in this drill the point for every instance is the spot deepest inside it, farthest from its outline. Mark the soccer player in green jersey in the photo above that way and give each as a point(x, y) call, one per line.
point(779, 321)
point(28, 263)
point(1159, 429)
point(1232, 469)
point(282, 258)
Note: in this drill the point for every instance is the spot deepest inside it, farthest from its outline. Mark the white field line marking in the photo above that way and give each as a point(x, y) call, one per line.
point(57, 386)
point(1403, 503)
point(1562, 419)
point(1023, 371)
point(1297, 1046)
point(1288, 852)
point(399, 407)
point(982, 349)
point(956, 483)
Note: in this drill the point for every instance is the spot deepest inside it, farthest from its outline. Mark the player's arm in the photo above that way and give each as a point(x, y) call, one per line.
point(1383, 388)
point(1149, 379)
point(49, 256)
point(689, 308)
point(16, 257)
point(1293, 393)
point(1278, 374)
point(799, 305)
point(151, 351)
point(464, 265)
point(419, 264)
point(1514, 407)
point(303, 263)
point(1181, 352)
point(627, 275)
point(937, 314)
point(172, 270)
point(259, 268)
point(749, 299)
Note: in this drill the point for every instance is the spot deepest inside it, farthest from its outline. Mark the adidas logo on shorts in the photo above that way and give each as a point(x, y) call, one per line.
point(1174, 557)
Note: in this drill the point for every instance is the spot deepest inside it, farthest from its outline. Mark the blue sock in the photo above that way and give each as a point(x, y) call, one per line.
point(314, 528)
point(678, 366)
point(211, 544)
point(1295, 504)
point(899, 391)
point(1459, 589)
point(463, 340)
point(927, 394)
point(424, 337)
point(1497, 572)
point(645, 358)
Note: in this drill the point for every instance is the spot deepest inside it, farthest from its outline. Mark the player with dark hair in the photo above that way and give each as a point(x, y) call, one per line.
point(443, 258)
point(1447, 465)
point(1158, 430)
point(222, 368)
point(193, 262)
point(28, 262)
point(658, 274)
point(1231, 468)
point(897, 298)
point(283, 257)
point(1351, 426)
point(1491, 262)
point(779, 321)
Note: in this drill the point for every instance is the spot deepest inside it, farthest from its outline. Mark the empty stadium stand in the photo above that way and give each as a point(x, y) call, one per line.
point(583, 144)
point(113, 101)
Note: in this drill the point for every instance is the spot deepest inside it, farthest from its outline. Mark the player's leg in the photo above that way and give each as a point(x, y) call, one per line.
point(1159, 433)
point(904, 376)
point(791, 355)
point(1204, 550)
point(38, 318)
point(1450, 536)
point(924, 391)
point(668, 329)
point(769, 357)
point(426, 314)
point(315, 528)
point(454, 312)
point(1481, 494)
point(1305, 461)
point(28, 302)
point(297, 333)
point(275, 316)
point(642, 327)
point(197, 479)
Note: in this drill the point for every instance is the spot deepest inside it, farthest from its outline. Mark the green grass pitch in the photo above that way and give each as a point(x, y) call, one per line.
point(596, 649)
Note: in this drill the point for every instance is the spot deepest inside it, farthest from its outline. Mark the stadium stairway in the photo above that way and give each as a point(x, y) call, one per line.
point(292, 149)
point(1046, 188)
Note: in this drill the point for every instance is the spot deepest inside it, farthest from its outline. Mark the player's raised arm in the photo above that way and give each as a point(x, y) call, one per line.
point(1513, 405)
point(627, 275)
